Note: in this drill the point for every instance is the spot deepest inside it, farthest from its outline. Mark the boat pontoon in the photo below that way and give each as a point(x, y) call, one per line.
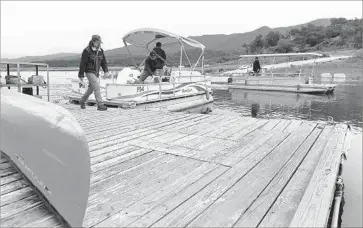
point(177, 90)
point(267, 80)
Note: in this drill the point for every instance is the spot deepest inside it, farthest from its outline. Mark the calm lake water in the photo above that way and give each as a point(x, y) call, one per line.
point(344, 106)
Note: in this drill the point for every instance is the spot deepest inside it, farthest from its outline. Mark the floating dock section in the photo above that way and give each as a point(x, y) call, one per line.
point(162, 169)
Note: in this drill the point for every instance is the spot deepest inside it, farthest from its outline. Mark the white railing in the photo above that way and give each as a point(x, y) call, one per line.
point(19, 84)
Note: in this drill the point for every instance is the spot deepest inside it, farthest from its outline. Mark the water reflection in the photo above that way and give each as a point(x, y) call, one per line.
point(254, 109)
point(344, 105)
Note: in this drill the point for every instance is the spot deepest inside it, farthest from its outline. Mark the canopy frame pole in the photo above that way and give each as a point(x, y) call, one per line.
point(181, 60)
point(312, 71)
point(263, 62)
point(203, 62)
point(133, 60)
point(190, 64)
point(272, 75)
point(301, 67)
point(288, 63)
point(201, 56)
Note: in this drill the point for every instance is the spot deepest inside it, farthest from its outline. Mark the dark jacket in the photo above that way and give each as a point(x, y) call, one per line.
point(91, 62)
point(150, 65)
point(256, 66)
point(159, 62)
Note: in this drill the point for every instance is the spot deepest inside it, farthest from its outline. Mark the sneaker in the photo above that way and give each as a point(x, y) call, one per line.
point(102, 108)
point(83, 106)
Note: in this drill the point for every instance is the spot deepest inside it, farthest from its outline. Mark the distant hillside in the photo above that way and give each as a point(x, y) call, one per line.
point(58, 56)
point(220, 48)
point(340, 33)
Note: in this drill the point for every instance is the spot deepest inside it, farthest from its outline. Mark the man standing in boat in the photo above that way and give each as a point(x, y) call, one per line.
point(256, 66)
point(92, 58)
point(161, 56)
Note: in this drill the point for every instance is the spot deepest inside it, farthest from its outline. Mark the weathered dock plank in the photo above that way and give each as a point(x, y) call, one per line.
point(284, 207)
point(20, 204)
point(164, 208)
point(252, 216)
point(135, 190)
point(314, 208)
point(226, 210)
point(27, 217)
point(158, 169)
point(195, 205)
point(135, 211)
point(10, 178)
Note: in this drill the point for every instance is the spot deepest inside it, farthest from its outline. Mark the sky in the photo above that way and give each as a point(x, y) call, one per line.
point(46, 27)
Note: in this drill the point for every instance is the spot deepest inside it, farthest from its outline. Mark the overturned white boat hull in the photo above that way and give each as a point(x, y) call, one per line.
point(49, 147)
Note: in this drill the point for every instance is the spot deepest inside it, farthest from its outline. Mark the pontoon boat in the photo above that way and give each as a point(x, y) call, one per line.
point(181, 90)
point(267, 80)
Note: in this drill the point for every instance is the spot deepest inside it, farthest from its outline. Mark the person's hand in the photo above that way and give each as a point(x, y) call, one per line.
point(81, 82)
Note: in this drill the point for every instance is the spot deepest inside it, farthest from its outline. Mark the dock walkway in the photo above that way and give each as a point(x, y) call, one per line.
point(162, 169)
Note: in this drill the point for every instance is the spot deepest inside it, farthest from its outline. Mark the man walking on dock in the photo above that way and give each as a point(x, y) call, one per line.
point(91, 60)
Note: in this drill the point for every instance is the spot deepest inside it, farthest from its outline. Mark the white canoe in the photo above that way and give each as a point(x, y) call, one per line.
point(49, 147)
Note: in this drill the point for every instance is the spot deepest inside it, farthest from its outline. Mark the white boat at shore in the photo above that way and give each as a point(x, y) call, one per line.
point(184, 89)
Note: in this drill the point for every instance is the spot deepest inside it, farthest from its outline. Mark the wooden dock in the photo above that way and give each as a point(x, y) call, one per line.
point(163, 169)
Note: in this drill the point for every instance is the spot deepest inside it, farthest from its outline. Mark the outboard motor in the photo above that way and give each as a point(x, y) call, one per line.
point(230, 80)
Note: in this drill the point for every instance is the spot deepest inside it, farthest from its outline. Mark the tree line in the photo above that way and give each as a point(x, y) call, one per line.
point(341, 33)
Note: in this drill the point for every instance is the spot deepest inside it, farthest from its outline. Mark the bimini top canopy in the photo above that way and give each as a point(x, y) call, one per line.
point(149, 36)
point(282, 55)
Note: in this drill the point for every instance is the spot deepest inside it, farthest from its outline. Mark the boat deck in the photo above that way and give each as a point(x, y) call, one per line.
point(163, 169)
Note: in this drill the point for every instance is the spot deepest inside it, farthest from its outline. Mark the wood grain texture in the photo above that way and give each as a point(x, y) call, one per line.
point(283, 209)
point(110, 202)
point(162, 169)
point(195, 205)
point(10, 178)
point(135, 211)
point(227, 209)
point(256, 211)
point(172, 203)
point(314, 208)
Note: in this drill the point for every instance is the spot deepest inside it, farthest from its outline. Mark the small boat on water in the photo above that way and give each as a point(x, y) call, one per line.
point(267, 80)
point(180, 90)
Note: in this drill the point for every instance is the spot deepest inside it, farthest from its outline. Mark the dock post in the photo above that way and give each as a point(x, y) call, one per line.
point(18, 72)
point(48, 85)
point(8, 70)
point(36, 73)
